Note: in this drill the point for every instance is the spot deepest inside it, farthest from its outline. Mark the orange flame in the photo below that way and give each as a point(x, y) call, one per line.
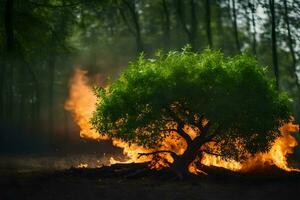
point(82, 103)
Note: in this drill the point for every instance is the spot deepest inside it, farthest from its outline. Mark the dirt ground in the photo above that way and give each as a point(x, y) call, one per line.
point(67, 184)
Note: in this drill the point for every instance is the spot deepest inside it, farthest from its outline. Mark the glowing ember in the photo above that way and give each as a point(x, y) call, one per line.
point(82, 165)
point(82, 103)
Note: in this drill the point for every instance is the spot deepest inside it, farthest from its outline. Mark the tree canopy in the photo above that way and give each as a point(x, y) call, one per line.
point(232, 97)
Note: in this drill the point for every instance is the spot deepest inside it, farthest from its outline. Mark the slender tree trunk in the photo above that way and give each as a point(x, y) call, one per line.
point(252, 8)
point(274, 42)
point(166, 24)
point(235, 27)
point(290, 42)
point(194, 24)
point(181, 17)
point(136, 23)
point(192, 31)
point(220, 24)
point(208, 24)
point(248, 20)
point(10, 47)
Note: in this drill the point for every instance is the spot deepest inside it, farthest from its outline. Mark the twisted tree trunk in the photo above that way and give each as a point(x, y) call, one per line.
point(181, 163)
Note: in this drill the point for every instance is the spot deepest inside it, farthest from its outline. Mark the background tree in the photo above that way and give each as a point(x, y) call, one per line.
point(274, 41)
point(228, 101)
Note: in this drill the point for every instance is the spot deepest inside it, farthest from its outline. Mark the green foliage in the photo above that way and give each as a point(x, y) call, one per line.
point(234, 94)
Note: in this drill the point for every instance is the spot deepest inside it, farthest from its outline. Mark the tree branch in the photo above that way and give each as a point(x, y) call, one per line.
point(185, 136)
point(174, 155)
point(180, 130)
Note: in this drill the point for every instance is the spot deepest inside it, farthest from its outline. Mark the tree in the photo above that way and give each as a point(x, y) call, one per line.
point(274, 42)
point(228, 102)
point(189, 28)
point(166, 23)
point(252, 7)
point(290, 42)
point(235, 26)
point(136, 30)
point(208, 23)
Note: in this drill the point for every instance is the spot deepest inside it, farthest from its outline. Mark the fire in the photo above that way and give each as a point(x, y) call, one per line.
point(82, 102)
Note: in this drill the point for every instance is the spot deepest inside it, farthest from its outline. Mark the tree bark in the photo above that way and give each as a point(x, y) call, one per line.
point(182, 162)
point(192, 31)
point(274, 42)
point(252, 8)
point(208, 23)
point(166, 24)
point(235, 28)
point(220, 24)
point(290, 42)
point(194, 24)
point(136, 23)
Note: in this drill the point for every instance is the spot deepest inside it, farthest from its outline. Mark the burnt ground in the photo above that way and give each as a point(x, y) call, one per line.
point(122, 182)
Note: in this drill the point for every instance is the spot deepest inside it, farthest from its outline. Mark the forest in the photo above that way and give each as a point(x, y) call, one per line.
point(43, 40)
point(46, 44)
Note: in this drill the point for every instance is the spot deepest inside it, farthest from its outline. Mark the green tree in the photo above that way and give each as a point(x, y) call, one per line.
point(155, 97)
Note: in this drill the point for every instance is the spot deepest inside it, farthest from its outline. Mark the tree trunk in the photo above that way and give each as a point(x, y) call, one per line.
point(235, 27)
point(208, 24)
point(252, 8)
point(182, 162)
point(274, 42)
point(192, 31)
point(166, 24)
point(290, 42)
point(194, 24)
point(220, 24)
point(136, 23)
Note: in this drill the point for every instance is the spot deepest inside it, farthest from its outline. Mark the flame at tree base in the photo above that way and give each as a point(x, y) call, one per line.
point(282, 147)
point(82, 102)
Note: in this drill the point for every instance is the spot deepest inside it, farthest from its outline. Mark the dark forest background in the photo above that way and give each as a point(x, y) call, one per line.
point(41, 41)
